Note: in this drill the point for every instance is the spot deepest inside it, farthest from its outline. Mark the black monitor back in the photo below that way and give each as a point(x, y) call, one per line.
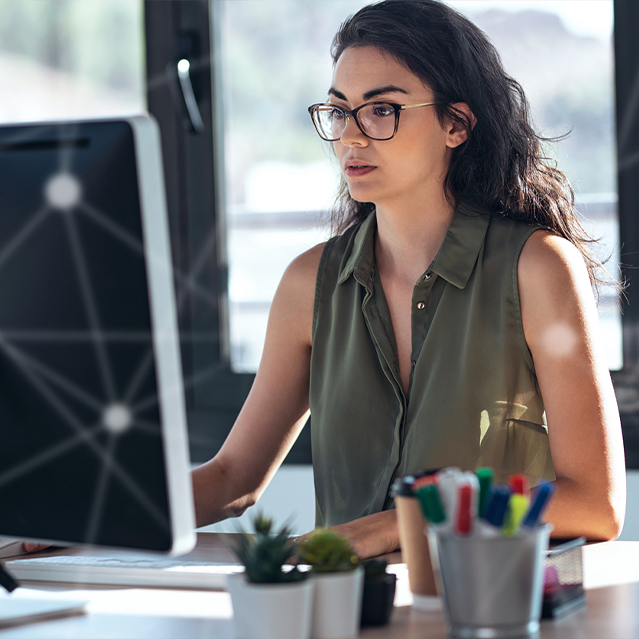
point(92, 428)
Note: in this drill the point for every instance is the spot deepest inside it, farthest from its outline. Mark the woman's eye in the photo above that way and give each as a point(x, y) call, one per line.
point(382, 110)
point(337, 115)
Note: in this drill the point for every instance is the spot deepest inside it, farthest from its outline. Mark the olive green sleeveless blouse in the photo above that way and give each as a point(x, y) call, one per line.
point(473, 398)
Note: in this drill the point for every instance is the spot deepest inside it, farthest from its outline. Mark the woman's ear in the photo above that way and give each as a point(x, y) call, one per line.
point(457, 132)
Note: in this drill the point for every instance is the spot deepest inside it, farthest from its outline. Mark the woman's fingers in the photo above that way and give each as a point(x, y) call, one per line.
point(30, 546)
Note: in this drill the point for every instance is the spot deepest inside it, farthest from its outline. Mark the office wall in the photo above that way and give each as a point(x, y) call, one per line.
point(290, 497)
point(631, 527)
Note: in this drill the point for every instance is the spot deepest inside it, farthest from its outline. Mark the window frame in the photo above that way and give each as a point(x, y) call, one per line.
point(195, 196)
point(626, 381)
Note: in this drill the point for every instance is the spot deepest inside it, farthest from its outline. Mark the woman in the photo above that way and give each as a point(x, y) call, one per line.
point(452, 318)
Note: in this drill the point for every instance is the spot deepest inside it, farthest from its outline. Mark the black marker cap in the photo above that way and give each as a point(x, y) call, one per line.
point(403, 486)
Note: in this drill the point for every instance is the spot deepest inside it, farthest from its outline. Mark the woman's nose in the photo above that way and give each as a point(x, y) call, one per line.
point(352, 135)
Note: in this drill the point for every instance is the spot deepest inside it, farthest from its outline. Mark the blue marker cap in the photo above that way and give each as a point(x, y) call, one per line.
point(497, 504)
point(541, 499)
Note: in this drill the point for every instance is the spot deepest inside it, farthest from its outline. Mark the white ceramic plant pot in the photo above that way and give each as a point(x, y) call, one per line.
point(271, 611)
point(338, 604)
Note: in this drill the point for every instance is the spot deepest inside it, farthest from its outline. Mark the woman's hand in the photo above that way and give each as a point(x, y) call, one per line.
point(370, 536)
point(29, 547)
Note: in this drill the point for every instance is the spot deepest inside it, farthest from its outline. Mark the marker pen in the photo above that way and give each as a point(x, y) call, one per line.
point(497, 506)
point(485, 477)
point(520, 484)
point(541, 498)
point(432, 505)
point(448, 481)
point(464, 517)
point(423, 481)
point(517, 509)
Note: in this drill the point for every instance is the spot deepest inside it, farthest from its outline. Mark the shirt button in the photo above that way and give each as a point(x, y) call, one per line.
point(421, 306)
point(413, 363)
point(427, 277)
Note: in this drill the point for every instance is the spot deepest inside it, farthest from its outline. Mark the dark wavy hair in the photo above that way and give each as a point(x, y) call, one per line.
point(501, 166)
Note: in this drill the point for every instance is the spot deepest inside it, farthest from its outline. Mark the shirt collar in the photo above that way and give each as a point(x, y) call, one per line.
point(362, 253)
point(454, 261)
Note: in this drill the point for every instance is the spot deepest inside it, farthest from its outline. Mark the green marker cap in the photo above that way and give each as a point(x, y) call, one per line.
point(485, 477)
point(431, 504)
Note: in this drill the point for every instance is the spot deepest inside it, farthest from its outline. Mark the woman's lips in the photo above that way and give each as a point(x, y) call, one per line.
point(359, 170)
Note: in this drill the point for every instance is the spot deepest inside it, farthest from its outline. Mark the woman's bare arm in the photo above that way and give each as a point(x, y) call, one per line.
point(562, 331)
point(276, 408)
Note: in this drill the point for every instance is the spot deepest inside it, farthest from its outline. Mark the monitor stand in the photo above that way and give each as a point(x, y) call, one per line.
point(7, 581)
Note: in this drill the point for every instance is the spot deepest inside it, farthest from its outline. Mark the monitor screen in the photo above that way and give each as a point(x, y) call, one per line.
point(92, 423)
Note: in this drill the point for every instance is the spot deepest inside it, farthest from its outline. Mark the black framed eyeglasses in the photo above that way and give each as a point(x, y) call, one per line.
point(376, 120)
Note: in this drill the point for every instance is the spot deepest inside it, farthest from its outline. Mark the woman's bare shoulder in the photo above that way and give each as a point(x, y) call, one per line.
point(551, 267)
point(555, 294)
point(545, 250)
point(303, 269)
point(292, 308)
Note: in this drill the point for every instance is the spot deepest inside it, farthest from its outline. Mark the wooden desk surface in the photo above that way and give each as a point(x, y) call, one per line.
point(611, 578)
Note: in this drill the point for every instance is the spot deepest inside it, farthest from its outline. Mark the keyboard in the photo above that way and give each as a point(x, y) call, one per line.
point(123, 569)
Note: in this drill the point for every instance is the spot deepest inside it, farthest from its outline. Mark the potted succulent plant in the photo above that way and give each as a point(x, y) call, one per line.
point(338, 581)
point(379, 593)
point(269, 602)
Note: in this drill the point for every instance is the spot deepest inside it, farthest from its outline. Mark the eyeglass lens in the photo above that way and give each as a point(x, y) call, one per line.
point(376, 121)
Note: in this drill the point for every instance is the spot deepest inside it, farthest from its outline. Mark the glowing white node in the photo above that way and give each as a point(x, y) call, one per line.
point(117, 418)
point(560, 340)
point(184, 66)
point(63, 191)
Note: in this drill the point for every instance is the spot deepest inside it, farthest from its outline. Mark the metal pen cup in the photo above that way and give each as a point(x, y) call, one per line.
point(492, 586)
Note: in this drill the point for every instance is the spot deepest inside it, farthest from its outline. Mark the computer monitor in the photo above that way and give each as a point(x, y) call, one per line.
point(93, 445)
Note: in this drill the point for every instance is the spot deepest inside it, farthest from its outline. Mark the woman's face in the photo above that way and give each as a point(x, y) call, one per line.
point(412, 163)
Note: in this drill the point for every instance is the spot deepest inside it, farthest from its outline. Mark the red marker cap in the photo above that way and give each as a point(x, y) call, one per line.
point(520, 484)
point(423, 481)
point(464, 523)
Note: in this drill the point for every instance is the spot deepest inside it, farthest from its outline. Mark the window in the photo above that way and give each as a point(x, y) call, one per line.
point(562, 54)
point(246, 195)
point(279, 178)
point(69, 59)
point(250, 190)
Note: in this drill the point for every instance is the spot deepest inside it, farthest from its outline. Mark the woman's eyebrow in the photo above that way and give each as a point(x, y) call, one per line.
point(338, 94)
point(390, 88)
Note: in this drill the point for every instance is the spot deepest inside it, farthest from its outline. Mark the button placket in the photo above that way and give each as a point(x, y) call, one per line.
point(422, 292)
point(421, 305)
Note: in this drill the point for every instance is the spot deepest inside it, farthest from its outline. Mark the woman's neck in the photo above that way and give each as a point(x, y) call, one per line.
point(409, 236)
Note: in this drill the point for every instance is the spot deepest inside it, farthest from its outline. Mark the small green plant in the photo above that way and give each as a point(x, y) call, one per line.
point(375, 569)
point(264, 553)
point(327, 551)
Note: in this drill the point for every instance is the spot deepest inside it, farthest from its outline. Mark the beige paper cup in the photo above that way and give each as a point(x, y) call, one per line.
point(415, 550)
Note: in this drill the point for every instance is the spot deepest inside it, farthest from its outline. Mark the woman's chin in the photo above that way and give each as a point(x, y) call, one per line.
point(361, 194)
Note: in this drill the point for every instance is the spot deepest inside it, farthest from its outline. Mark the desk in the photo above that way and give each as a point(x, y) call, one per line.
point(611, 579)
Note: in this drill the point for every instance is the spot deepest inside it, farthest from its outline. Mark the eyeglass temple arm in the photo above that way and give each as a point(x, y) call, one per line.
point(403, 107)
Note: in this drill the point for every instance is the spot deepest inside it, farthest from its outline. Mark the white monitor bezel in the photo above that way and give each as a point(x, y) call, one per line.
point(148, 153)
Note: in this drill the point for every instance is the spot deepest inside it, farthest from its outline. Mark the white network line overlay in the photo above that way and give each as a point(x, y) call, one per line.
point(115, 413)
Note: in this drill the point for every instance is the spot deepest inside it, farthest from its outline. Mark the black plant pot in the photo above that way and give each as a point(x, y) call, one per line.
point(377, 602)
